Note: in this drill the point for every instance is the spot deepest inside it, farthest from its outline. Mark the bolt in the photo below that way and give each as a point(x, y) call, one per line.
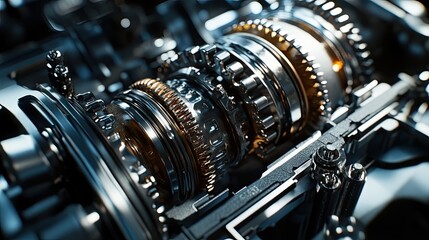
point(329, 152)
point(58, 73)
point(61, 81)
point(356, 171)
point(53, 58)
point(327, 159)
point(327, 155)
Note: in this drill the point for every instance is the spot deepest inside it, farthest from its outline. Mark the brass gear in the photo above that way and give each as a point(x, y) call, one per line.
point(171, 101)
point(203, 59)
point(319, 108)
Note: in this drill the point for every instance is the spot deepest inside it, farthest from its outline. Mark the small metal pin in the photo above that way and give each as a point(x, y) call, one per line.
point(329, 152)
point(354, 180)
point(53, 58)
point(61, 81)
point(58, 73)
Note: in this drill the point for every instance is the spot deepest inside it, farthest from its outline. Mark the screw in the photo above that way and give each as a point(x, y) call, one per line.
point(356, 172)
point(62, 82)
point(329, 152)
point(327, 159)
point(327, 156)
point(53, 58)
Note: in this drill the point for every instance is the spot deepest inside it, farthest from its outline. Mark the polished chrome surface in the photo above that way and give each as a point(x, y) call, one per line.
point(257, 119)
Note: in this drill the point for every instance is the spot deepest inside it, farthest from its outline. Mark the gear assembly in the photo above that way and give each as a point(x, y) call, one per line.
point(252, 119)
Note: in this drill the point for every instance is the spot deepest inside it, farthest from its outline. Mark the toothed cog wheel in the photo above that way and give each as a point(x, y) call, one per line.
point(264, 82)
point(99, 113)
point(305, 68)
point(348, 40)
point(186, 121)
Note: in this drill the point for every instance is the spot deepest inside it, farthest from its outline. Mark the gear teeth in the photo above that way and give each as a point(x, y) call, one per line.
point(342, 19)
point(234, 70)
point(271, 137)
point(94, 106)
point(267, 122)
point(261, 103)
point(106, 121)
point(187, 123)
point(328, 6)
point(312, 79)
point(96, 110)
point(248, 84)
point(216, 60)
point(345, 29)
point(193, 55)
point(207, 53)
point(145, 179)
point(87, 96)
point(336, 11)
point(333, 14)
point(220, 59)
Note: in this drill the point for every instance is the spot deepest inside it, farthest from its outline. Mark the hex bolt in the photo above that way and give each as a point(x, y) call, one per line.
point(327, 159)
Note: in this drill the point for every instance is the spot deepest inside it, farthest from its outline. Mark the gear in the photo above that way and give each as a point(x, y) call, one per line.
point(212, 128)
point(209, 57)
point(312, 80)
point(187, 123)
point(228, 70)
point(97, 111)
point(258, 96)
point(142, 176)
point(351, 34)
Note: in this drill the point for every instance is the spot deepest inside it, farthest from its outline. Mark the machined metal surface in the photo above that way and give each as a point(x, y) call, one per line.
point(295, 119)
